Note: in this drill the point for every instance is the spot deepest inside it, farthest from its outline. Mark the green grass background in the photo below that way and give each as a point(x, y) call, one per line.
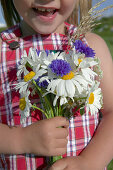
point(105, 30)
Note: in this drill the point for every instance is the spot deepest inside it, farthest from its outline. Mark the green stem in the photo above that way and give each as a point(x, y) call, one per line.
point(46, 100)
point(35, 107)
point(78, 108)
point(53, 159)
point(83, 98)
point(75, 99)
point(57, 111)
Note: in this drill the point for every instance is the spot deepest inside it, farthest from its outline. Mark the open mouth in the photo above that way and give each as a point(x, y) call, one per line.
point(45, 11)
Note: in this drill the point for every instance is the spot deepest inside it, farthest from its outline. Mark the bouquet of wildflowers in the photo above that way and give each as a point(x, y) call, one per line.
point(63, 80)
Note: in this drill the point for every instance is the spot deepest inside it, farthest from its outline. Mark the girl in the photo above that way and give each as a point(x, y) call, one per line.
point(24, 147)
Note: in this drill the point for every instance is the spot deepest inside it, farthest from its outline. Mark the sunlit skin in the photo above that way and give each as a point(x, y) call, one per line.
point(64, 9)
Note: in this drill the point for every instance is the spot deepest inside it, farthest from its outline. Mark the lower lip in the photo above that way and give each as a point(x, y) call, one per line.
point(47, 18)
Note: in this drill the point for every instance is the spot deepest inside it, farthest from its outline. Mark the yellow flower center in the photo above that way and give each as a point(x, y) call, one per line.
point(79, 61)
point(70, 103)
point(91, 98)
point(29, 76)
point(22, 103)
point(68, 76)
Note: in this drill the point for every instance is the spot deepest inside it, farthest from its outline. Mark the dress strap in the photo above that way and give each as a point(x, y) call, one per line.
point(11, 36)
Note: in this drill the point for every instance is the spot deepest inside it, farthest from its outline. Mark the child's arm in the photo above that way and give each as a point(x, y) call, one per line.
point(41, 138)
point(99, 151)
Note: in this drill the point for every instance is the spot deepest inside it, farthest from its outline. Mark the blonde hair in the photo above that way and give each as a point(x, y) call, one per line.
point(11, 15)
point(81, 9)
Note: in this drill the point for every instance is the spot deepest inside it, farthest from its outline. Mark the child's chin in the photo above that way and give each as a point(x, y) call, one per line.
point(46, 29)
point(45, 32)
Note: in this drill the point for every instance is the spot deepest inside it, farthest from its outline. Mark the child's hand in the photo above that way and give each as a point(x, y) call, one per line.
point(71, 163)
point(46, 138)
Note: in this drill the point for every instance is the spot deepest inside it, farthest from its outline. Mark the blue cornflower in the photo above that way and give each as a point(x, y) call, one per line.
point(83, 48)
point(41, 84)
point(38, 52)
point(47, 52)
point(60, 67)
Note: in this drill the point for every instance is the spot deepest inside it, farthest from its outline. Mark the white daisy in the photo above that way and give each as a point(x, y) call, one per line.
point(45, 59)
point(94, 100)
point(24, 105)
point(32, 59)
point(84, 65)
point(32, 75)
point(21, 67)
point(97, 68)
point(86, 70)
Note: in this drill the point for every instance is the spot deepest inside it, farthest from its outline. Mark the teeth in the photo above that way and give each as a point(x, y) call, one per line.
point(44, 9)
point(50, 10)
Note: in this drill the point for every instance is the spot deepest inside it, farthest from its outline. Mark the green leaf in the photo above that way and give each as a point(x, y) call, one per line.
point(28, 65)
point(82, 111)
point(55, 51)
point(53, 159)
point(56, 158)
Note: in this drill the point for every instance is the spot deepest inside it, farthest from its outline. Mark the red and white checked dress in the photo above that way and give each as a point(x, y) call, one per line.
point(81, 128)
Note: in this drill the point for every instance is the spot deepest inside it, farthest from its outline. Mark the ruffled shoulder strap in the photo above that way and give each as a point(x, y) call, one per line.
point(11, 35)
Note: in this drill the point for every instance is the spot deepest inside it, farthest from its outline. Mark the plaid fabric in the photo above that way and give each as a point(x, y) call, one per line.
point(81, 128)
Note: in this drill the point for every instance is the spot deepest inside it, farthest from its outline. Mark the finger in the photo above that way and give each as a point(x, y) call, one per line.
point(59, 165)
point(60, 121)
point(67, 124)
point(61, 133)
point(61, 143)
point(60, 151)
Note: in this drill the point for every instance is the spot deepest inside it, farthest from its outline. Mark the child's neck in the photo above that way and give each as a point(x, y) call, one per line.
point(27, 30)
